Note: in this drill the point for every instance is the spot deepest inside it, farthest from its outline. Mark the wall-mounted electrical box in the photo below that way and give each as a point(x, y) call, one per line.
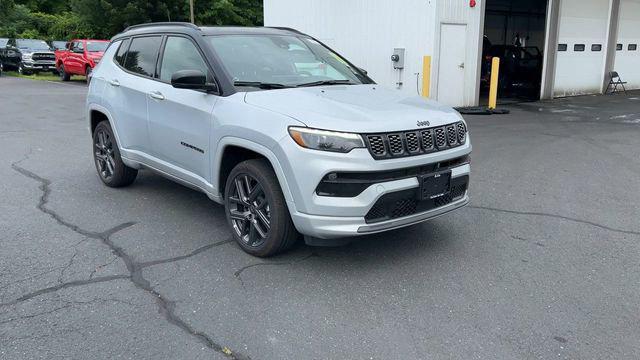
point(398, 58)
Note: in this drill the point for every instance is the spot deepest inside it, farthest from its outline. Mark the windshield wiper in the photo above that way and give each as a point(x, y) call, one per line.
point(261, 85)
point(326, 82)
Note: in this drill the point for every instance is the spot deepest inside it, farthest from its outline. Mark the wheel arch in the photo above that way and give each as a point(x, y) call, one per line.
point(232, 151)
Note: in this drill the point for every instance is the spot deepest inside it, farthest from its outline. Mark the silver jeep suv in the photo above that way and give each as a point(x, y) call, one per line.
point(290, 136)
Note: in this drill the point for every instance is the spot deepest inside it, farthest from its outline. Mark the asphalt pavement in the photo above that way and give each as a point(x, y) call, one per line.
point(544, 263)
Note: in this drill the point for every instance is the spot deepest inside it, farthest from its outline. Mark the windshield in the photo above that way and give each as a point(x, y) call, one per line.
point(59, 45)
point(3, 42)
point(97, 46)
point(29, 44)
point(282, 60)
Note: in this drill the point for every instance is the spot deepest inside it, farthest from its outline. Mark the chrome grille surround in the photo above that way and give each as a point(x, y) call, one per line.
point(416, 142)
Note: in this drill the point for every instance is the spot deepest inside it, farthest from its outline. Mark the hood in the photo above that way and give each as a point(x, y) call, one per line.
point(354, 108)
point(31, 51)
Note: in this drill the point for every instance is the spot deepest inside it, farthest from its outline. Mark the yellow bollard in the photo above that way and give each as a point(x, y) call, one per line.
point(426, 76)
point(493, 90)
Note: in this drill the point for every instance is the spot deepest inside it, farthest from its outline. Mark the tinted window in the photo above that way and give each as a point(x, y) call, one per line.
point(180, 54)
point(578, 47)
point(619, 47)
point(562, 47)
point(633, 47)
point(142, 55)
point(122, 51)
point(596, 47)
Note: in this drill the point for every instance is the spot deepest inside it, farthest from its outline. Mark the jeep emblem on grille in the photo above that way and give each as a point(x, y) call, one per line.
point(423, 123)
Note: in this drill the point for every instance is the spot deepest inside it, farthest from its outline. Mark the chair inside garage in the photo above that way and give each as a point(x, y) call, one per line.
point(614, 82)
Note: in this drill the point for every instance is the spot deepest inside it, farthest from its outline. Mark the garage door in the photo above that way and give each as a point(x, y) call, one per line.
point(581, 39)
point(628, 48)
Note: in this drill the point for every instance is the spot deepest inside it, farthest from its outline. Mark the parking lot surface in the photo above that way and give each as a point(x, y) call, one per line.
point(543, 264)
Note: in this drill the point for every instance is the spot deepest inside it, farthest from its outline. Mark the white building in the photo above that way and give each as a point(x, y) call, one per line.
point(579, 42)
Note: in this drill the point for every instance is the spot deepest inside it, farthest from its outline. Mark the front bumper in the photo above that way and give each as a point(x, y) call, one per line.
point(39, 65)
point(327, 217)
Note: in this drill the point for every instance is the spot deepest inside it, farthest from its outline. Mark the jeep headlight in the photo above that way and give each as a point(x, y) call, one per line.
point(326, 140)
point(26, 57)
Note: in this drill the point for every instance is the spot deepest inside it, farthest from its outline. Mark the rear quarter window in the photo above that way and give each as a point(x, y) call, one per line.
point(122, 52)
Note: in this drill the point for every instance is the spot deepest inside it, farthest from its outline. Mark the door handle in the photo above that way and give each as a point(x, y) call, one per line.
point(114, 82)
point(156, 95)
point(461, 66)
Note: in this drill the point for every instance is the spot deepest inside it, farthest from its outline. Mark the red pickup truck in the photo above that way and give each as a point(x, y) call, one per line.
point(80, 57)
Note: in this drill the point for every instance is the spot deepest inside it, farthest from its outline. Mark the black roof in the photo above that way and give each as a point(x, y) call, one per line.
point(183, 27)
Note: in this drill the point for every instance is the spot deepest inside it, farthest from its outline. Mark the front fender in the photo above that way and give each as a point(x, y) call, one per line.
point(226, 141)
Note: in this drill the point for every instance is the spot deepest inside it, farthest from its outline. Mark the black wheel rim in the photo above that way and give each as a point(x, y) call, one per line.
point(249, 210)
point(104, 154)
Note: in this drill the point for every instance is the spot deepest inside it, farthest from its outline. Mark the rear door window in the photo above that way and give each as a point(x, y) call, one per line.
point(142, 55)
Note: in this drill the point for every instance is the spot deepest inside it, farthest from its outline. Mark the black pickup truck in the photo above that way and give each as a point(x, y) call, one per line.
point(27, 56)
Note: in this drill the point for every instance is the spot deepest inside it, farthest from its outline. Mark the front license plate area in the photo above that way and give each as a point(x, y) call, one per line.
point(435, 185)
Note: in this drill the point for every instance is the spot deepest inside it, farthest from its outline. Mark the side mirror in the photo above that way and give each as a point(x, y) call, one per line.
point(192, 79)
point(363, 71)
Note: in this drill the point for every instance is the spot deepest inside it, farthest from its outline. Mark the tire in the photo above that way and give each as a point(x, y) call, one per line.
point(87, 73)
point(63, 74)
point(22, 70)
point(106, 156)
point(247, 217)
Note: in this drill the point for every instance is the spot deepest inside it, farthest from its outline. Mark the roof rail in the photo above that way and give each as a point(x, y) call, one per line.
point(171, 23)
point(287, 29)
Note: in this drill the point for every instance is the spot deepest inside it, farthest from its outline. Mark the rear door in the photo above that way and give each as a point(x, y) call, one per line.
point(180, 120)
point(128, 87)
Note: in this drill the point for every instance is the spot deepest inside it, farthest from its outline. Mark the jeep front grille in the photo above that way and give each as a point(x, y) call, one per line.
point(417, 142)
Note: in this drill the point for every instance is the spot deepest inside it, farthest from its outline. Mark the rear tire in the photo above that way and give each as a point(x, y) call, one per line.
point(63, 74)
point(87, 73)
point(106, 156)
point(258, 213)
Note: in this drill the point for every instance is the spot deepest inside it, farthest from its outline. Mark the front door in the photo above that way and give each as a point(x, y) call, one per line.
point(451, 68)
point(180, 120)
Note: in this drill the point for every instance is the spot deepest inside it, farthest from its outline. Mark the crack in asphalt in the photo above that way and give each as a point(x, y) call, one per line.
point(69, 284)
point(165, 306)
point(555, 216)
point(182, 257)
point(239, 272)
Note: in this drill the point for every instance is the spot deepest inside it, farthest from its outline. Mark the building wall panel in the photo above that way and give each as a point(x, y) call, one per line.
point(627, 62)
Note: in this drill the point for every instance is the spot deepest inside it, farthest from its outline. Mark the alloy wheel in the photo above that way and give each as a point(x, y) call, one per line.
point(249, 210)
point(104, 155)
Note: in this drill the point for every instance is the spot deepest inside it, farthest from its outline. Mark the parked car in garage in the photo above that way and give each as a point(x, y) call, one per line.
point(80, 57)
point(28, 56)
point(247, 116)
point(520, 68)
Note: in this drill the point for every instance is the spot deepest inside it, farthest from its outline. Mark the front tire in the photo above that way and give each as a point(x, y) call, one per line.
point(257, 211)
point(106, 155)
point(22, 70)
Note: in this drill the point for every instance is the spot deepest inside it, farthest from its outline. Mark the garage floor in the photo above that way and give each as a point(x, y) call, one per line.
point(543, 264)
